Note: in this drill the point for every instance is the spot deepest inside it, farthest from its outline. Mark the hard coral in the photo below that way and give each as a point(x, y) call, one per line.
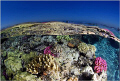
point(13, 64)
point(73, 43)
point(42, 63)
point(66, 37)
point(87, 49)
point(83, 48)
point(92, 48)
point(24, 76)
point(100, 65)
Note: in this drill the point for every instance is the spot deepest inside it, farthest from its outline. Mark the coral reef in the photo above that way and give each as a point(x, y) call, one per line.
point(48, 40)
point(73, 43)
point(83, 48)
point(66, 37)
point(73, 79)
point(101, 77)
point(42, 63)
point(100, 65)
point(87, 49)
point(48, 51)
point(13, 64)
point(24, 76)
point(109, 32)
point(46, 58)
point(83, 61)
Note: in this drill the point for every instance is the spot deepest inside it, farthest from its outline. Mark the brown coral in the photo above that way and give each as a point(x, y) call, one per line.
point(73, 79)
point(74, 43)
point(42, 63)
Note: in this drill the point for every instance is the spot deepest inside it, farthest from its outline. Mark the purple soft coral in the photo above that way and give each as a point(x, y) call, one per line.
point(100, 65)
point(48, 51)
point(6, 76)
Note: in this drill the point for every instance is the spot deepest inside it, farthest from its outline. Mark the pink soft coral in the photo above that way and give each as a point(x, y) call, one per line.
point(109, 32)
point(100, 65)
point(48, 51)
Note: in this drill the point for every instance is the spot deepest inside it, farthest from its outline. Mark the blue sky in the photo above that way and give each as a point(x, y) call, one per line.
point(103, 12)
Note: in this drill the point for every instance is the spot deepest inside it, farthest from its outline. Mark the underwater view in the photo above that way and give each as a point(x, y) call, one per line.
point(60, 40)
point(43, 52)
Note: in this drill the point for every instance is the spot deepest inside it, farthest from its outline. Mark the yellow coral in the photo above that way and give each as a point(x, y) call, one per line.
point(42, 63)
point(73, 79)
point(13, 64)
point(83, 48)
point(92, 48)
point(24, 76)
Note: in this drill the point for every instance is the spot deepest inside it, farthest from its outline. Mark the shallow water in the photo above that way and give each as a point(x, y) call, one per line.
point(111, 55)
point(108, 49)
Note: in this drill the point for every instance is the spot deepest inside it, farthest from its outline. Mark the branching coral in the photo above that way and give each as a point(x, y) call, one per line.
point(100, 65)
point(42, 63)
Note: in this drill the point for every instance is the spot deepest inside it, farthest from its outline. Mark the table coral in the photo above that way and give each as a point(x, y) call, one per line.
point(100, 65)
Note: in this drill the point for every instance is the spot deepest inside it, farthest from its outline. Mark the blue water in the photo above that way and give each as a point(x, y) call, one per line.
point(111, 55)
point(108, 49)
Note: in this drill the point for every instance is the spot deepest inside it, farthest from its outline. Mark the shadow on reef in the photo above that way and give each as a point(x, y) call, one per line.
point(85, 76)
point(91, 39)
point(113, 43)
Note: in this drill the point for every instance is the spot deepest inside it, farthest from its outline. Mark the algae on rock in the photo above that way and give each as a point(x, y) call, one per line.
point(24, 76)
point(13, 64)
point(66, 37)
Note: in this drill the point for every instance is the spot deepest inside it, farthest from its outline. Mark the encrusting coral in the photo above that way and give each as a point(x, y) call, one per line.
point(42, 63)
point(24, 76)
point(13, 64)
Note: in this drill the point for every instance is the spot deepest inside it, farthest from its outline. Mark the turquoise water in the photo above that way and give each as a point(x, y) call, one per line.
point(108, 49)
point(111, 55)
